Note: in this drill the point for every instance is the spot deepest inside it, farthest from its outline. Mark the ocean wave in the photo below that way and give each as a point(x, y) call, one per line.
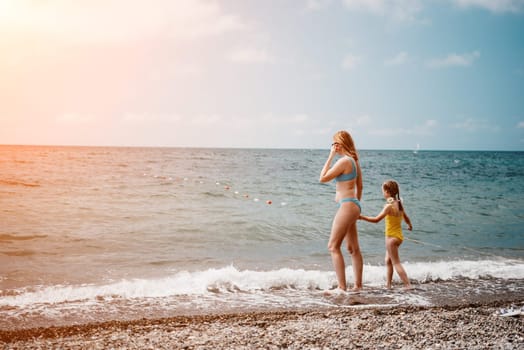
point(6, 237)
point(19, 253)
point(227, 280)
point(18, 183)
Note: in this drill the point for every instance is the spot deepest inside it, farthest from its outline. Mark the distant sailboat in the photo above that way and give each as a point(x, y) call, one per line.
point(416, 149)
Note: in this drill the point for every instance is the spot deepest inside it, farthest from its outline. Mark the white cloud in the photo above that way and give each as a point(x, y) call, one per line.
point(350, 62)
point(454, 60)
point(520, 125)
point(268, 121)
point(398, 59)
point(75, 118)
point(118, 20)
point(251, 55)
point(358, 121)
point(496, 6)
point(144, 118)
point(300, 118)
point(390, 132)
point(363, 120)
point(473, 125)
point(177, 70)
point(398, 10)
point(424, 129)
point(316, 5)
point(294, 119)
point(206, 120)
point(431, 123)
point(322, 131)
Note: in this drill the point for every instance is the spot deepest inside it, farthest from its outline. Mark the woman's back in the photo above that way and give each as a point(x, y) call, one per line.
point(347, 181)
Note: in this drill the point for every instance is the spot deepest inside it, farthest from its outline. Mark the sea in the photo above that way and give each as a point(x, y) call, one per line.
point(91, 234)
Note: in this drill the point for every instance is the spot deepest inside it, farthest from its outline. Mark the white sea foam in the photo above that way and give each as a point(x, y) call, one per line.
point(446, 270)
point(228, 280)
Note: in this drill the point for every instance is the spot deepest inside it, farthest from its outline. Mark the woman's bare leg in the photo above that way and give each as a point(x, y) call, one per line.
point(335, 241)
point(356, 255)
point(344, 226)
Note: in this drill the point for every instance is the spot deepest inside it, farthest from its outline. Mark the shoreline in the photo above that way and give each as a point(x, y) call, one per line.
point(470, 325)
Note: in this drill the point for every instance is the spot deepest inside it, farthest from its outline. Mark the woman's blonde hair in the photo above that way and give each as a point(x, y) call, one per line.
point(344, 139)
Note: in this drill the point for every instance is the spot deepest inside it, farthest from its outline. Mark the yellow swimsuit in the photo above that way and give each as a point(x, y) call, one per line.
point(393, 227)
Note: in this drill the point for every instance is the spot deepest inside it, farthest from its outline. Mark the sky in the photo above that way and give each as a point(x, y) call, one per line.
point(396, 74)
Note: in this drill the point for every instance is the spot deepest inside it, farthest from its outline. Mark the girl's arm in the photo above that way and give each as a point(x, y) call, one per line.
point(407, 220)
point(377, 218)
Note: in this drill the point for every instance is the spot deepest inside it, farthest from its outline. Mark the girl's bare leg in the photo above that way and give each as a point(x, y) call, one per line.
point(389, 271)
point(392, 245)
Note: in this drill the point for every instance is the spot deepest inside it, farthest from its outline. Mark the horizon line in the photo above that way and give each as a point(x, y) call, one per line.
point(263, 148)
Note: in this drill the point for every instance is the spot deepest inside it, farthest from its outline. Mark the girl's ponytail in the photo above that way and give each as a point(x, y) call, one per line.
point(394, 190)
point(400, 206)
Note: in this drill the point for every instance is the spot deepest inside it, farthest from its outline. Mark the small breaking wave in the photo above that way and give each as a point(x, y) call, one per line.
point(6, 237)
point(228, 280)
point(18, 183)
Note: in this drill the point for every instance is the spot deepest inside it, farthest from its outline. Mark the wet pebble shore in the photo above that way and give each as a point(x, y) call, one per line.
point(464, 327)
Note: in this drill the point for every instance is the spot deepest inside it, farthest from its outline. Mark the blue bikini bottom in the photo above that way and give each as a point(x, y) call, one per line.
point(350, 199)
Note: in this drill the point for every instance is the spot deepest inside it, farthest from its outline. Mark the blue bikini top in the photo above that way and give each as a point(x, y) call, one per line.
point(350, 176)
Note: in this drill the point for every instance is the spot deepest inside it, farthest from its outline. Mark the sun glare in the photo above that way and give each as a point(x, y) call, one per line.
point(6, 8)
point(11, 11)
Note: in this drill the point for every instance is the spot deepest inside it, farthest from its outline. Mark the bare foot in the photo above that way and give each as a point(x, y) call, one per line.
point(336, 291)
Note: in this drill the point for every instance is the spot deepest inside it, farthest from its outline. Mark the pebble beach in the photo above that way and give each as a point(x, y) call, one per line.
point(454, 327)
point(157, 248)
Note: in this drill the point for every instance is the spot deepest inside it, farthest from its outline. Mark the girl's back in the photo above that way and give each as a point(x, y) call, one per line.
point(394, 220)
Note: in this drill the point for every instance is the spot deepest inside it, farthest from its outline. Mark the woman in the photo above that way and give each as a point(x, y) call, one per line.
point(348, 177)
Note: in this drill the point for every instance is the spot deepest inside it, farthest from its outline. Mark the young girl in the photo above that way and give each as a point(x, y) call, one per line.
point(394, 213)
